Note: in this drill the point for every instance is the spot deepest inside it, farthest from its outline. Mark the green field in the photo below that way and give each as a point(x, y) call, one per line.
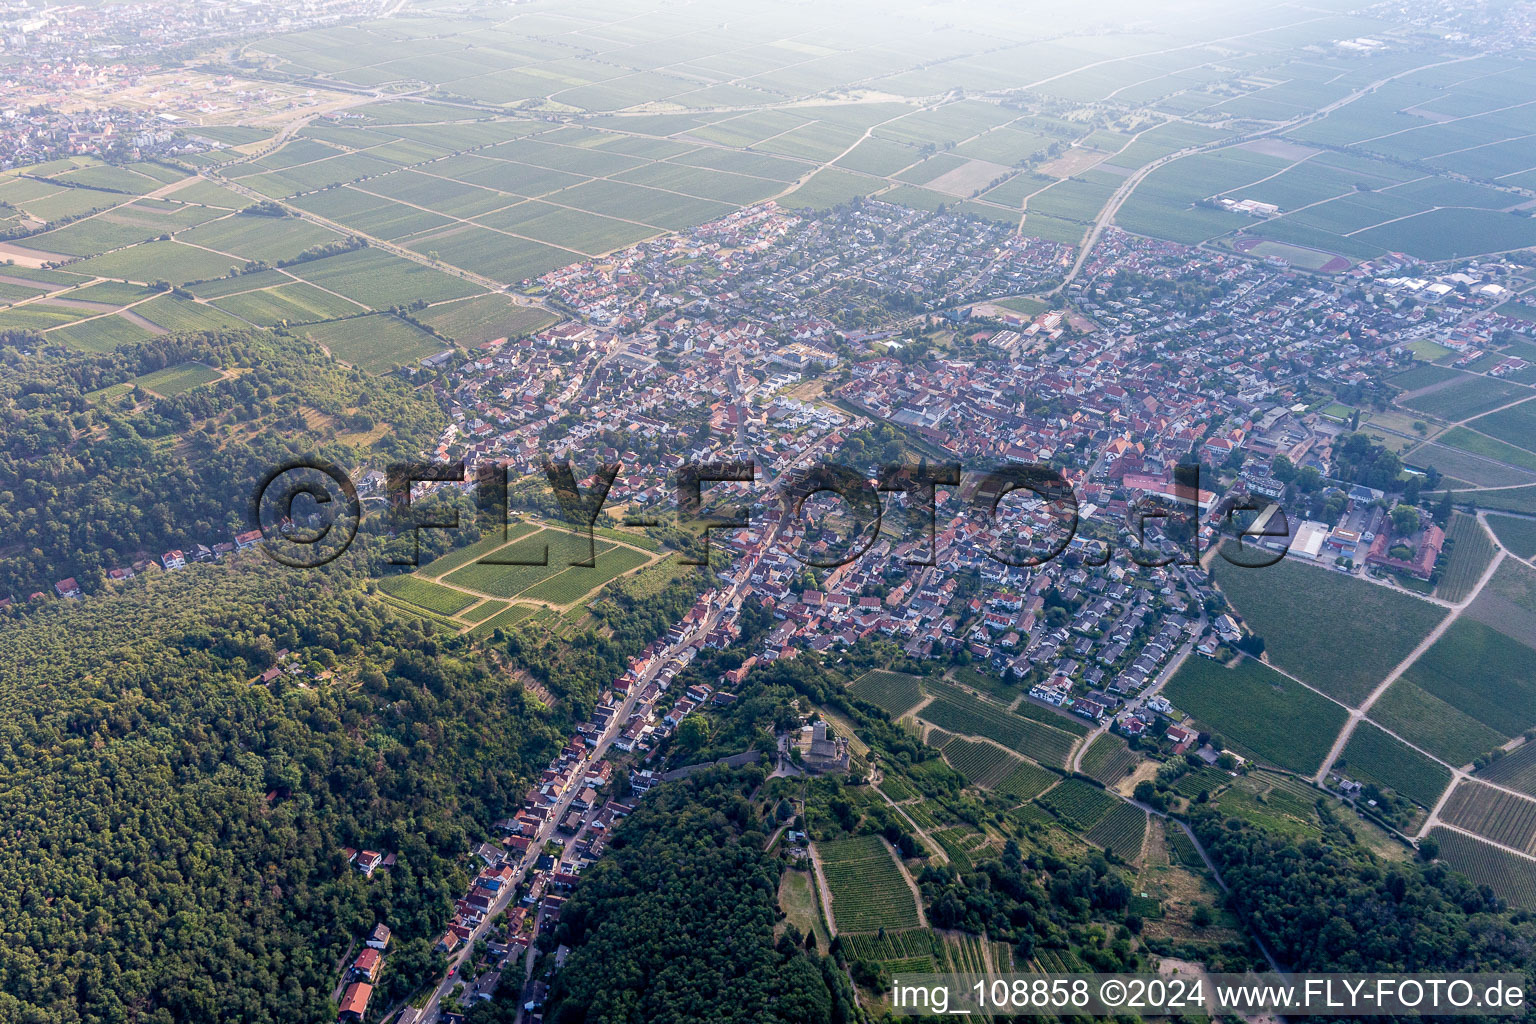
point(502, 620)
point(1472, 551)
point(1517, 536)
point(375, 343)
point(378, 280)
point(956, 711)
point(1079, 805)
point(1110, 759)
point(984, 764)
point(867, 888)
point(1258, 710)
point(175, 379)
point(434, 597)
point(1122, 831)
point(1515, 770)
point(892, 692)
point(1430, 723)
point(101, 334)
point(1369, 629)
point(1511, 878)
point(510, 580)
point(1483, 673)
point(1465, 398)
point(484, 318)
point(1373, 756)
point(576, 581)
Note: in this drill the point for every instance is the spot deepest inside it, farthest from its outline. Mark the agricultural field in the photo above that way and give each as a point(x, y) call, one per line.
point(296, 303)
point(1472, 551)
point(1431, 724)
point(425, 594)
point(483, 318)
point(898, 951)
point(1110, 759)
point(514, 569)
point(1508, 602)
point(1495, 815)
point(959, 712)
point(1373, 756)
point(1077, 804)
point(1512, 878)
point(1515, 425)
point(1371, 629)
point(983, 764)
point(375, 343)
point(867, 887)
point(1483, 673)
point(892, 692)
point(502, 620)
point(1465, 398)
point(1025, 782)
point(1121, 831)
point(173, 380)
point(1243, 704)
point(1515, 770)
point(1517, 536)
point(576, 581)
point(378, 280)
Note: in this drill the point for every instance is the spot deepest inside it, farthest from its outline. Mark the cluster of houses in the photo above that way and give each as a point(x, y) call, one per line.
point(363, 975)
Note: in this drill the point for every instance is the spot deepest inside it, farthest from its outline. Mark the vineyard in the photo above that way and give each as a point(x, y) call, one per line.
point(1182, 849)
point(960, 712)
point(1046, 716)
point(868, 890)
point(1080, 805)
point(964, 846)
point(1517, 770)
point(1109, 760)
point(895, 787)
point(1471, 551)
point(1512, 878)
point(985, 764)
point(426, 594)
point(1121, 831)
point(1204, 779)
point(891, 692)
point(965, 954)
point(909, 951)
point(1493, 814)
point(1373, 756)
point(1026, 782)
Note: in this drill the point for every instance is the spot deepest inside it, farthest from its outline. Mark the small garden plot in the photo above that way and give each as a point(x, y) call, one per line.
point(892, 692)
point(868, 890)
point(434, 597)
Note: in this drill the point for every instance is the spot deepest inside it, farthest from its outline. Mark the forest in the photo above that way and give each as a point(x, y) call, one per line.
point(174, 833)
point(675, 924)
point(97, 471)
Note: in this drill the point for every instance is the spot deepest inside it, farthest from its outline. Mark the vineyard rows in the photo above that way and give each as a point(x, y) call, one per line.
point(1121, 830)
point(1512, 878)
point(985, 764)
point(969, 715)
point(1109, 760)
point(867, 888)
point(1515, 770)
point(892, 692)
point(1493, 814)
point(1080, 805)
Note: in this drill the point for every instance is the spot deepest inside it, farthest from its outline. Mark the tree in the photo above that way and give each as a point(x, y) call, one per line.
point(1405, 520)
point(693, 732)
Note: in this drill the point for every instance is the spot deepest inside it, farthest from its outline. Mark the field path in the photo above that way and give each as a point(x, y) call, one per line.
point(934, 849)
point(917, 894)
point(1356, 714)
point(822, 890)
